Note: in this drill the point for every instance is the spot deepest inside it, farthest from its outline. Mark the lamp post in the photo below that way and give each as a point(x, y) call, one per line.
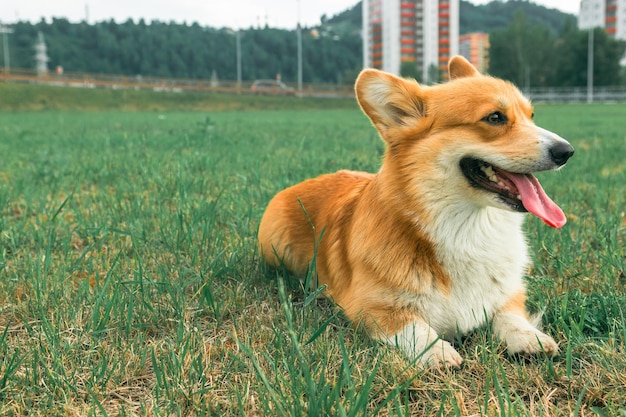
point(238, 38)
point(590, 66)
point(299, 34)
point(5, 40)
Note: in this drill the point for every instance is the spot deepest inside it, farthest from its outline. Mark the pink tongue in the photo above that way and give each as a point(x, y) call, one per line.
point(536, 201)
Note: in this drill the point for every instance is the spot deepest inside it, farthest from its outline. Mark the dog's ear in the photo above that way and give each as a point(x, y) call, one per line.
point(459, 67)
point(389, 101)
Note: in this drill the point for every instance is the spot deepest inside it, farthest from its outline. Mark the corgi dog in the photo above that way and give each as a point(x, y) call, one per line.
point(431, 246)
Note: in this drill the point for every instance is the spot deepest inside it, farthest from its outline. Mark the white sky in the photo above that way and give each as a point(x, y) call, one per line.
point(215, 13)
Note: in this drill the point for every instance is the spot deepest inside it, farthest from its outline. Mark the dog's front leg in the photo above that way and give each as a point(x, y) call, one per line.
point(512, 325)
point(418, 340)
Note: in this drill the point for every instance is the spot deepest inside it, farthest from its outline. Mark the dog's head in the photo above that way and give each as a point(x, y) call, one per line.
point(473, 135)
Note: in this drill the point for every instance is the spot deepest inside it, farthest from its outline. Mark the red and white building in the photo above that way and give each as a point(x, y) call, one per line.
point(475, 47)
point(423, 32)
point(607, 14)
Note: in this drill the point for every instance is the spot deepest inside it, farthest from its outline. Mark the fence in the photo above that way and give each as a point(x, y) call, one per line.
point(577, 94)
point(138, 82)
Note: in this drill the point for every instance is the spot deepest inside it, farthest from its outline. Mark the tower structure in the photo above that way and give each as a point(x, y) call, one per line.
point(41, 56)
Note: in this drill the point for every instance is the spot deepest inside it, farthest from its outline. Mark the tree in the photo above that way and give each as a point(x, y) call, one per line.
point(522, 53)
point(434, 74)
point(409, 69)
point(571, 59)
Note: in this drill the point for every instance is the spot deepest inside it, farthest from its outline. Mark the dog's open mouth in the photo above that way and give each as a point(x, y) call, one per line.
point(520, 192)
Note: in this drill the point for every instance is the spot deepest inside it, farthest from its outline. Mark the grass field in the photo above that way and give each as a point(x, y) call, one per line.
point(130, 283)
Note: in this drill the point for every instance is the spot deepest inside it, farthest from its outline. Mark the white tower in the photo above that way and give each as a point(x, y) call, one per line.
point(41, 56)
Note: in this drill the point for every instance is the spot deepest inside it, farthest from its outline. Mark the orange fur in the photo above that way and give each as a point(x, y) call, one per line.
point(340, 205)
point(516, 304)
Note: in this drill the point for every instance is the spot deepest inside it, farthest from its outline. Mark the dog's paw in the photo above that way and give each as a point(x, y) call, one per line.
point(441, 354)
point(419, 340)
point(531, 341)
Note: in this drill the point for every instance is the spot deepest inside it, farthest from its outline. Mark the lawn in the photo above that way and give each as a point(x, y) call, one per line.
point(130, 282)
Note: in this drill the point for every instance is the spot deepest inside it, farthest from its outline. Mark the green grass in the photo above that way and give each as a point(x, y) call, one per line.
point(130, 282)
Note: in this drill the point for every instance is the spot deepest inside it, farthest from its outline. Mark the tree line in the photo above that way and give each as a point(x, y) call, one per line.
point(530, 45)
point(530, 55)
point(183, 51)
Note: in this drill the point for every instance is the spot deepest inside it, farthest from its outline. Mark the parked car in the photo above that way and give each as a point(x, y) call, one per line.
point(272, 87)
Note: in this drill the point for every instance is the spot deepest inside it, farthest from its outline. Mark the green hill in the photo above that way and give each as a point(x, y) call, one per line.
point(474, 18)
point(498, 15)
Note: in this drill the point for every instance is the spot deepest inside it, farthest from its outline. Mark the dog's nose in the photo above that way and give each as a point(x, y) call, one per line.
point(561, 152)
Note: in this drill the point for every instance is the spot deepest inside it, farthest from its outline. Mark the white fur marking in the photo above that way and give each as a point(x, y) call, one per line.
point(484, 253)
point(521, 336)
point(418, 340)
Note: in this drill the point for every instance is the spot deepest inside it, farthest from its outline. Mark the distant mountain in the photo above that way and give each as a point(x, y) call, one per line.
point(346, 23)
point(499, 14)
point(473, 18)
point(351, 18)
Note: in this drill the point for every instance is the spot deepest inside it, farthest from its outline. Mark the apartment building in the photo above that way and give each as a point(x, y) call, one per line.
point(420, 32)
point(475, 47)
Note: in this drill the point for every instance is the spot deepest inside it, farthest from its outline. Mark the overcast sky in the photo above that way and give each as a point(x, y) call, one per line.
point(216, 13)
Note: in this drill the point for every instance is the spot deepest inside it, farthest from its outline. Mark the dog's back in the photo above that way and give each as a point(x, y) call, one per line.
point(296, 217)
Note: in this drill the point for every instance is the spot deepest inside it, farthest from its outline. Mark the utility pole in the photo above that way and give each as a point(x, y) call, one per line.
point(6, 31)
point(238, 37)
point(527, 79)
point(299, 51)
point(590, 66)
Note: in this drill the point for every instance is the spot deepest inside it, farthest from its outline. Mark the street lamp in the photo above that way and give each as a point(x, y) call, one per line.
point(299, 51)
point(5, 39)
point(590, 66)
point(238, 36)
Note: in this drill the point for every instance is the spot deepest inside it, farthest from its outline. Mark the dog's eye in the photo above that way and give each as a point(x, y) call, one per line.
point(495, 118)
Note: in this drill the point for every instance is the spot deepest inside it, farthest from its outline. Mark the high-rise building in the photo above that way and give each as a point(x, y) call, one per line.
point(475, 47)
point(424, 33)
point(607, 14)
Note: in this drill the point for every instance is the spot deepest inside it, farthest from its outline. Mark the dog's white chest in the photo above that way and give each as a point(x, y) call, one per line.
point(471, 303)
point(485, 259)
